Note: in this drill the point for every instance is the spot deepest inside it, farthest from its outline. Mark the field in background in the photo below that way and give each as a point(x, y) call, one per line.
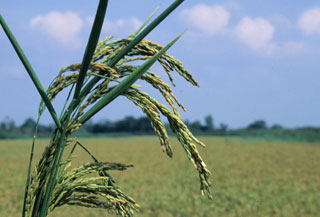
point(250, 177)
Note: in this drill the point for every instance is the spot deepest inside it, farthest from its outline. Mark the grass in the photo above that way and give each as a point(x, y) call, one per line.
point(250, 178)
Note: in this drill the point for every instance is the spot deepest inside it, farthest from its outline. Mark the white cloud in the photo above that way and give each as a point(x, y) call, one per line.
point(127, 26)
point(309, 21)
point(208, 19)
point(64, 27)
point(256, 33)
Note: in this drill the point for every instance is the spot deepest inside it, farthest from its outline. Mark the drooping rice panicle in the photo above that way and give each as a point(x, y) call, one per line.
point(147, 106)
point(185, 137)
point(108, 70)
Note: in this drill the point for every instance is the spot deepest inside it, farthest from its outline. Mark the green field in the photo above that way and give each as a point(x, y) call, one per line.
point(250, 178)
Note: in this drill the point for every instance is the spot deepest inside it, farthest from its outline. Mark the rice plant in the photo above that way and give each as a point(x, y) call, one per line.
point(108, 70)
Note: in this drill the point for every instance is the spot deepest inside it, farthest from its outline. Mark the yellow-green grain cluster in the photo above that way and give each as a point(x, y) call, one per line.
point(78, 187)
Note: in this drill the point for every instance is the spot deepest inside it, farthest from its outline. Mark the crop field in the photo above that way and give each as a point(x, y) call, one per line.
point(250, 177)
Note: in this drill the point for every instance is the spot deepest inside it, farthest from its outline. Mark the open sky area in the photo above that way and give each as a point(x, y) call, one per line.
point(253, 59)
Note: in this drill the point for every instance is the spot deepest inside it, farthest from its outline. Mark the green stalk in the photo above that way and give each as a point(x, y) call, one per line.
point(125, 50)
point(125, 84)
point(54, 169)
point(148, 19)
point(70, 154)
point(91, 45)
point(39, 195)
point(103, 172)
point(68, 158)
point(30, 71)
point(29, 167)
point(84, 148)
point(66, 102)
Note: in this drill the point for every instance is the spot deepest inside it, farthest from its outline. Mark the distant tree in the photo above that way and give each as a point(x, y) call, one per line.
point(102, 127)
point(28, 126)
point(257, 125)
point(187, 122)
point(88, 126)
point(209, 123)
point(45, 128)
point(7, 124)
point(130, 123)
point(145, 125)
point(276, 127)
point(223, 127)
point(121, 126)
point(195, 126)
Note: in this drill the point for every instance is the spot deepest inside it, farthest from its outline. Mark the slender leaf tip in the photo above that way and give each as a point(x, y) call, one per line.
point(147, 20)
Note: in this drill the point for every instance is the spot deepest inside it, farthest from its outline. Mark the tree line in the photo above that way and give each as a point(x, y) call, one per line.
point(142, 125)
point(129, 124)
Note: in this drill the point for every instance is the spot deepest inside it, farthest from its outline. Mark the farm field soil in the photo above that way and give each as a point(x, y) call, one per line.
point(250, 178)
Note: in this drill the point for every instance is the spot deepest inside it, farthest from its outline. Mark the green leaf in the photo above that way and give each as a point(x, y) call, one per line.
point(147, 20)
point(92, 44)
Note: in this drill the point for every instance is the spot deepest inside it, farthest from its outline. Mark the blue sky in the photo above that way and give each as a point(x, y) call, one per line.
point(252, 59)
